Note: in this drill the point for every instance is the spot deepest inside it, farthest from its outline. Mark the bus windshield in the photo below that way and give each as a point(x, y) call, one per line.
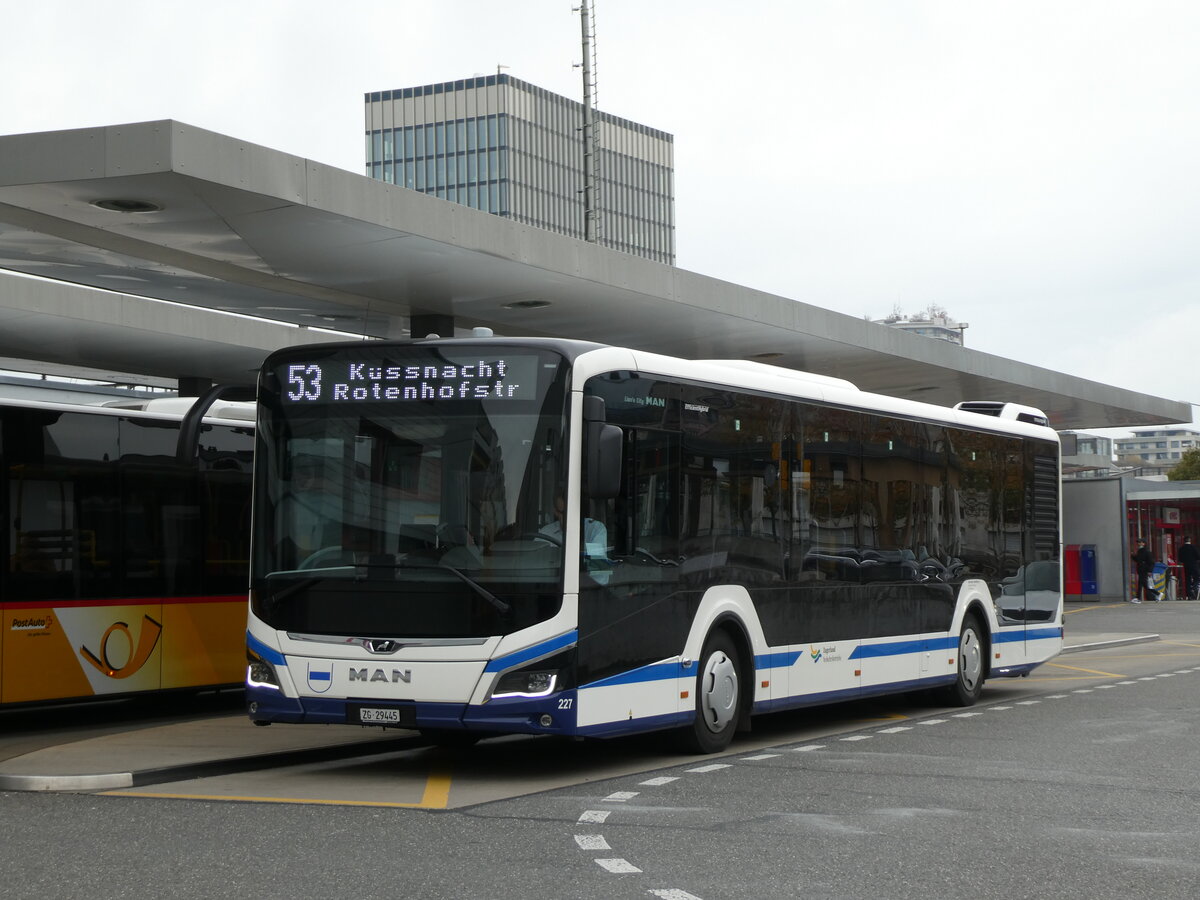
point(412, 496)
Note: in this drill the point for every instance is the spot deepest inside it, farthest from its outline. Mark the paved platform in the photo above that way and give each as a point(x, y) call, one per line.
point(141, 755)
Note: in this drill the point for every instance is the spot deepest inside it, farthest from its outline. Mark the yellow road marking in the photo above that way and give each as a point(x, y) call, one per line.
point(1091, 671)
point(1181, 643)
point(1098, 606)
point(436, 796)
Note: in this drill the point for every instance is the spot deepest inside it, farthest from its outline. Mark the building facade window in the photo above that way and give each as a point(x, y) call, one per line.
point(506, 147)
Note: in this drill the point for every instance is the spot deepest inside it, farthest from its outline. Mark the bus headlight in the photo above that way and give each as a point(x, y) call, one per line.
point(259, 672)
point(526, 683)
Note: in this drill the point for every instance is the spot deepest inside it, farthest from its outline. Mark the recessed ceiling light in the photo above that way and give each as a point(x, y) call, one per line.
point(126, 205)
point(527, 304)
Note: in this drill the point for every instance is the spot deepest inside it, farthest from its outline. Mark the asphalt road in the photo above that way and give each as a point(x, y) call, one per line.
point(1080, 781)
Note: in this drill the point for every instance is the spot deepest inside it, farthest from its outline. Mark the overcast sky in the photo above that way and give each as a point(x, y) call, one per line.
point(1032, 167)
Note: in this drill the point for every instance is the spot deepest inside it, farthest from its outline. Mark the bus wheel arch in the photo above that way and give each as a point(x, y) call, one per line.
point(971, 660)
point(723, 688)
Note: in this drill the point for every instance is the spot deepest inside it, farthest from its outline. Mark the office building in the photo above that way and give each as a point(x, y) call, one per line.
point(1087, 455)
point(1156, 451)
point(507, 147)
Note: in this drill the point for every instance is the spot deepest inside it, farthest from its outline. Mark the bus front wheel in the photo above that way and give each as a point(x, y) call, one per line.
point(718, 697)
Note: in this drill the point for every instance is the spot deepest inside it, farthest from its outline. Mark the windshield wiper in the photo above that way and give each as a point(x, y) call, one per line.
point(311, 577)
point(476, 587)
point(462, 576)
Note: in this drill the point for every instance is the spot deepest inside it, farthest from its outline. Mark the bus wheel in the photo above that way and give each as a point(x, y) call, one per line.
point(718, 697)
point(968, 682)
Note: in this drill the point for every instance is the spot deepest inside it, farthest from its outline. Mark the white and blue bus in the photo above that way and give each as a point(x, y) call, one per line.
point(482, 536)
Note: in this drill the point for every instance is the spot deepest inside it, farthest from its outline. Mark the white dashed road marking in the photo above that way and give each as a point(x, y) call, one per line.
point(617, 866)
point(592, 842)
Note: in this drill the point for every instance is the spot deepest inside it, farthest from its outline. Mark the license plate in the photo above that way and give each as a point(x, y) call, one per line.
point(366, 714)
point(371, 716)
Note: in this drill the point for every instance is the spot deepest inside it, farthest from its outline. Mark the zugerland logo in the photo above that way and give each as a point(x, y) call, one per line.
point(397, 675)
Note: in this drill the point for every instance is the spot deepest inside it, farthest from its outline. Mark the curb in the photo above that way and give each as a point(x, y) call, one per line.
point(1117, 642)
point(119, 780)
point(110, 782)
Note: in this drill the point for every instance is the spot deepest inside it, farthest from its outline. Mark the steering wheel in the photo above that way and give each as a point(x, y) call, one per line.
point(319, 558)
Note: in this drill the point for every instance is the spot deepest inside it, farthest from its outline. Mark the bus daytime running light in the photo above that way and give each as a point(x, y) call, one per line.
point(526, 684)
point(259, 672)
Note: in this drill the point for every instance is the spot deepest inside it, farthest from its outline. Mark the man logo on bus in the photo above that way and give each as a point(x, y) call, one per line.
point(138, 653)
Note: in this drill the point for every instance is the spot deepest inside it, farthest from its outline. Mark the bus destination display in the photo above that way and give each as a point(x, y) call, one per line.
point(356, 380)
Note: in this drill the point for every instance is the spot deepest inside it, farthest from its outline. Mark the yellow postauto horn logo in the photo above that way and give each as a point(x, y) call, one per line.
point(144, 647)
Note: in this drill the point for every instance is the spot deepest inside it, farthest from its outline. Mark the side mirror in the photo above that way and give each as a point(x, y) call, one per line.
point(602, 451)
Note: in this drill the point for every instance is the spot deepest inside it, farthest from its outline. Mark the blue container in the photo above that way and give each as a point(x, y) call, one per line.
point(1087, 564)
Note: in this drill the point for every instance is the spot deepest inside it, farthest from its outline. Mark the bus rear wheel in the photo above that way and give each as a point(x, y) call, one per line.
point(971, 669)
point(718, 697)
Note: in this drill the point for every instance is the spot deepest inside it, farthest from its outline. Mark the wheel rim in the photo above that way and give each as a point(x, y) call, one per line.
point(970, 659)
point(718, 695)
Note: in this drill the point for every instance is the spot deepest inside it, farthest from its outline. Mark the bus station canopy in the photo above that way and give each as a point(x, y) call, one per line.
point(163, 211)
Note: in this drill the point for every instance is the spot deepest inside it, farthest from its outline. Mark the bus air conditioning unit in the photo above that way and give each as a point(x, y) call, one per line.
point(1014, 411)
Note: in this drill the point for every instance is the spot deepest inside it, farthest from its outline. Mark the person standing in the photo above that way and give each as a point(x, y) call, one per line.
point(1189, 558)
point(1143, 561)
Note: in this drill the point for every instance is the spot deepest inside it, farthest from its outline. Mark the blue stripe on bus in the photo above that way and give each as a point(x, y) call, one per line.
point(652, 672)
point(899, 648)
point(1026, 634)
point(1041, 634)
point(545, 648)
point(274, 657)
point(779, 660)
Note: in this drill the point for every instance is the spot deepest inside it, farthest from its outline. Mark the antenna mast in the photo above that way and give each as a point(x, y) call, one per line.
point(587, 14)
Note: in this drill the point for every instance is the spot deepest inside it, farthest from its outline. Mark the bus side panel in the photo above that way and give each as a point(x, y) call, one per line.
point(202, 642)
point(37, 661)
point(54, 653)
